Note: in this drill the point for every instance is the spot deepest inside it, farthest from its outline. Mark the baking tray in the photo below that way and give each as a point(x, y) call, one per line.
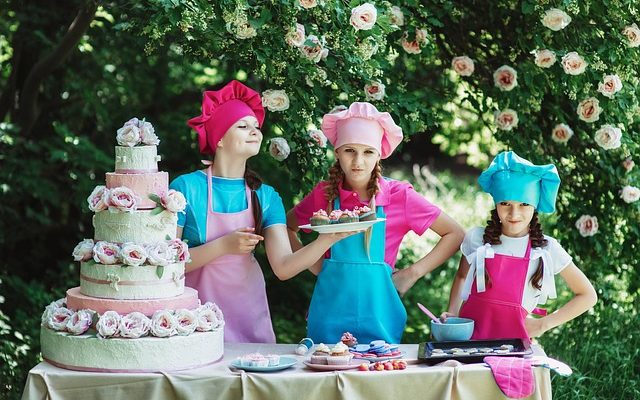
point(427, 355)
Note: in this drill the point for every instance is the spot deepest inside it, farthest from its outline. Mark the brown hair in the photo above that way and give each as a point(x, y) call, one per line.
point(254, 182)
point(492, 236)
point(336, 176)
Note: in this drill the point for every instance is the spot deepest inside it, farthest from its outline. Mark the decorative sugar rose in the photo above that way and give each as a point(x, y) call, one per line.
point(160, 254)
point(123, 199)
point(630, 194)
point(608, 137)
point(561, 133)
point(317, 137)
point(180, 249)
point(463, 65)
point(397, 16)
point(174, 201)
point(214, 307)
point(108, 324)
point(187, 321)
point(374, 91)
point(80, 322)
point(134, 325)
point(163, 324)
point(206, 319)
point(133, 254)
point(146, 131)
point(506, 119)
point(50, 310)
point(279, 148)
point(573, 63)
point(545, 58)
point(314, 51)
point(59, 318)
point(610, 85)
point(587, 225)
point(83, 250)
point(106, 253)
point(632, 33)
point(589, 109)
point(128, 135)
point(308, 3)
point(275, 100)
point(98, 200)
point(505, 78)
point(363, 17)
point(555, 19)
point(295, 38)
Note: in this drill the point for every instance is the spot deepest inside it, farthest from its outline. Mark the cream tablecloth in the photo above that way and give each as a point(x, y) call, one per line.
point(418, 381)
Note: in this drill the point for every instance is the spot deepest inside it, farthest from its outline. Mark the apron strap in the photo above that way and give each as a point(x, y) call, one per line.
point(548, 282)
point(476, 269)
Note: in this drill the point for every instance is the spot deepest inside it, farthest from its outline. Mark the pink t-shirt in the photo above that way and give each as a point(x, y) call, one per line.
point(405, 209)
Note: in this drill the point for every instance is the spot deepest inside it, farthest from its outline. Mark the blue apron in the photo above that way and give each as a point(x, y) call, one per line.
point(355, 293)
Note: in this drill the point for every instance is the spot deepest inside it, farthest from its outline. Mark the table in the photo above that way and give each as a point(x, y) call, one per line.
point(418, 381)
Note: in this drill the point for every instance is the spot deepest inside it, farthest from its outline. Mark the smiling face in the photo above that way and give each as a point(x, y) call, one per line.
point(243, 138)
point(515, 217)
point(357, 161)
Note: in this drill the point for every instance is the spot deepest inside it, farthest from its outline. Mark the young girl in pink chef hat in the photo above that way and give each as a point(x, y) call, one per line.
point(508, 267)
point(357, 289)
point(229, 211)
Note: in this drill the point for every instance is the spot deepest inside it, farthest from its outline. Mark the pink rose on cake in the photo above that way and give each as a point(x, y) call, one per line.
point(134, 325)
point(80, 322)
point(163, 323)
point(123, 199)
point(133, 254)
point(160, 254)
point(83, 250)
point(187, 322)
point(216, 310)
point(181, 250)
point(108, 324)
point(174, 201)
point(50, 309)
point(206, 319)
point(106, 253)
point(99, 198)
point(59, 318)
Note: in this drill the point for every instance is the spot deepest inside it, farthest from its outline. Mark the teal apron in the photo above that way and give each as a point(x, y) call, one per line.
point(355, 293)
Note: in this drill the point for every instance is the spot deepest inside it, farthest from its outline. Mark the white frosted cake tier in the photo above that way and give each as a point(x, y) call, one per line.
point(142, 185)
point(87, 352)
point(77, 301)
point(139, 226)
point(131, 283)
point(136, 159)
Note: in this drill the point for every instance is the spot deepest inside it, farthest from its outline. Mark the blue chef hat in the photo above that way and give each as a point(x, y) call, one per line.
point(510, 177)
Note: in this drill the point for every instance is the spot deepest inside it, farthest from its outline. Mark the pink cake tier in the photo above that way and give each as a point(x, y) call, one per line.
point(141, 184)
point(78, 301)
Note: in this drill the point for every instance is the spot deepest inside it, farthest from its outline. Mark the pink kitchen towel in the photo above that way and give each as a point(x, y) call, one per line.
point(513, 375)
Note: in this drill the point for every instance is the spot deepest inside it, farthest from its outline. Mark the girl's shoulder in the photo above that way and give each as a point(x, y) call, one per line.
point(473, 239)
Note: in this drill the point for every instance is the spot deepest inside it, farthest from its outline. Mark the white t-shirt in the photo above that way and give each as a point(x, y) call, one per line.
point(517, 247)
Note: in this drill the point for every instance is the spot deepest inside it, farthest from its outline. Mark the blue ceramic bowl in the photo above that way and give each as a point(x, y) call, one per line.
point(455, 328)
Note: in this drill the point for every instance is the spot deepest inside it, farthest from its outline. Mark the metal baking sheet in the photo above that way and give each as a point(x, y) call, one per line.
point(426, 350)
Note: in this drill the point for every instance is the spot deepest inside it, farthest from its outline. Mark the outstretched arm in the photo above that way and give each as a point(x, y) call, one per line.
point(455, 299)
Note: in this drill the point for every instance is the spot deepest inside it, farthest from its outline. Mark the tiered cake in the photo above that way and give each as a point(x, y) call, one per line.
point(132, 312)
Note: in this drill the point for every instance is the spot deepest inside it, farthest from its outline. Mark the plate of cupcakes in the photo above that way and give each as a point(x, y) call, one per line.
point(358, 219)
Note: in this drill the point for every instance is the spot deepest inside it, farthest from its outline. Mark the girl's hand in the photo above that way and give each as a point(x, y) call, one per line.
point(332, 238)
point(445, 315)
point(403, 280)
point(241, 241)
point(535, 326)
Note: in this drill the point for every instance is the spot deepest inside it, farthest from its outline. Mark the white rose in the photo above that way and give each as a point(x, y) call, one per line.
point(589, 110)
point(80, 322)
point(174, 201)
point(630, 194)
point(207, 319)
point(397, 16)
point(295, 38)
point(214, 307)
point(505, 78)
point(163, 323)
point(374, 91)
point(555, 19)
point(317, 137)
point(83, 250)
point(506, 119)
point(610, 85)
point(180, 249)
point(123, 199)
point(187, 321)
point(545, 58)
point(561, 133)
point(628, 164)
point(106, 253)
point(59, 318)
point(279, 148)
point(108, 324)
point(133, 254)
point(314, 52)
point(308, 3)
point(573, 63)
point(245, 31)
point(275, 100)
point(632, 33)
point(98, 200)
point(147, 133)
point(128, 135)
point(363, 17)
point(411, 47)
point(608, 137)
point(587, 225)
point(50, 310)
point(160, 254)
point(134, 325)
point(463, 65)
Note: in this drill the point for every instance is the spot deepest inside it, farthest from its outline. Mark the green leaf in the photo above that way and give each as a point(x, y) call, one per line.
point(167, 237)
point(155, 197)
point(157, 210)
point(159, 271)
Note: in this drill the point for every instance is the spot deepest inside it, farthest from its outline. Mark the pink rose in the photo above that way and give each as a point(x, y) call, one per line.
point(308, 3)
point(163, 324)
point(608, 137)
point(160, 254)
point(630, 194)
point(561, 133)
point(314, 52)
point(59, 318)
point(628, 164)
point(99, 198)
point(545, 58)
point(279, 148)
point(573, 63)
point(610, 85)
point(187, 322)
point(108, 324)
point(374, 91)
point(411, 47)
point(632, 33)
point(80, 322)
point(83, 250)
point(134, 325)
point(463, 65)
point(133, 254)
point(180, 249)
point(295, 38)
point(506, 119)
point(587, 225)
point(555, 19)
point(106, 253)
point(123, 199)
point(174, 201)
point(363, 17)
point(589, 110)
point(50, 310)
point(505, 78)
point(317, 137)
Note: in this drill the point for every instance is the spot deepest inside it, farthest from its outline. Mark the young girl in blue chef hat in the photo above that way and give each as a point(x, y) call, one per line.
point(508, 266)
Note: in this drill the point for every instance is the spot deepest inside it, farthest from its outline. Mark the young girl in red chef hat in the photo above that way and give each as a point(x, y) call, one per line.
point(508, 266)
point(357, 289)
point(229, 211)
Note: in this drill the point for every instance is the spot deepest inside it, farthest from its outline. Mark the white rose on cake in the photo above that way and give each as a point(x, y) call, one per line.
point(187, 322)
point(374, 91)
point(160, 254)
point(610, 85)
point(608, 137)
point(98, 200)
point(133, 254)
point(106, 253)
point(561, 133)
point(128, 135)
point(80, 322)
point(545, 58)
point(50, 309)
point(587, 225)
point(363, 17)
point(573, 63)
point(632, 33)
point(163, 324)
point(463, 65)
point(134, 325)
point(505, 78)
point(147, 134)
point(630, 194)
point(279, 148)
point(506, 119)
point(123, 199)
point(555, 19)
point(589, 109)
point(207, 319)
point(108, 324)
point(180, 249)
point(174, 201)
point(275, 100)
point(83, 250)
point(216, 310)
point(58, 319)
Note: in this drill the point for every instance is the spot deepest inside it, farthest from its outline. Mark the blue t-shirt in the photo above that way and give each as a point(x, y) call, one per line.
point(228, 196)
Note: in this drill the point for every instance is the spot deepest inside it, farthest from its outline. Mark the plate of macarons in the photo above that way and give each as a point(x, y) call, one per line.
point(377, 350)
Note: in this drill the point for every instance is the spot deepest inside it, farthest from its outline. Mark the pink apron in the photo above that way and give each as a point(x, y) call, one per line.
point(234, 281)
point(498, 311)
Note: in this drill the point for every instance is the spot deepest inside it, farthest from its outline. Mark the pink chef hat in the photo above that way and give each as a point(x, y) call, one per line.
point(221, 109)
point(362, 123)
